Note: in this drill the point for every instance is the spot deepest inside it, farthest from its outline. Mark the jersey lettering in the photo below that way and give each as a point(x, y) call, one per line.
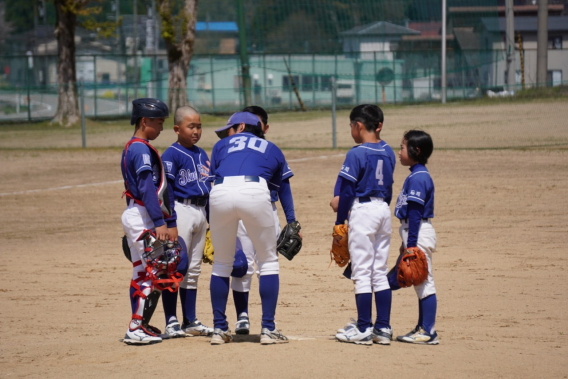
point(254, 143)
point(379, 172)
point(187, 176)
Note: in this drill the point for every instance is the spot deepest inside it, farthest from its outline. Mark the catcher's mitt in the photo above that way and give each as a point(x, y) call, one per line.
point(289, 241)
point(126, 248)
point(412, 268)
point(208, 250)
point(339, 248)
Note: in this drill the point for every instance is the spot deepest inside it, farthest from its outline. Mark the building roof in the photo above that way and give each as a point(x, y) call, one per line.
point(224, 26)
point(432, 28)
point(526, 24)
point(379, 28)
point(552, 8)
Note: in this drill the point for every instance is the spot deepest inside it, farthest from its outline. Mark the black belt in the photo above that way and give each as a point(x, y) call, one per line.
point(199, 201)
point(367, 199)
point(248, 178)
point(406, 220)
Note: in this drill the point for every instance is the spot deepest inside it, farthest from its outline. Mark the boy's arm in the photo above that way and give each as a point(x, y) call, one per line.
point(346, 197)
point(415, 212)
point(145, 184)
point(287, 201)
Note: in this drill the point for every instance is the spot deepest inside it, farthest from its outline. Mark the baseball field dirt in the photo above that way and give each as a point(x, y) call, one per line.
point(500, 267)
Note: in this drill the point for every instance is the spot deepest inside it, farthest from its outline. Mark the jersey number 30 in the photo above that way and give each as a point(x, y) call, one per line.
point(240, 142)
point(379, 172)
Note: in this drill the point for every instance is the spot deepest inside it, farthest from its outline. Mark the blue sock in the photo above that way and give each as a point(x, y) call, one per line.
point(420, 313)
point(219, 288)
point(429, 305)
point(241, 300)
point(269, 285)
point(169, 301)
point(133, 299)
point(364, 303)
point(383, 301)
point(188, 298)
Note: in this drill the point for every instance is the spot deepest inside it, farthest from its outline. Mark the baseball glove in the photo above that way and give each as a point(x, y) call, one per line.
point(126, 248)
point(412, 268)
point(289, 241)
point(339, 248)
point(208, 250)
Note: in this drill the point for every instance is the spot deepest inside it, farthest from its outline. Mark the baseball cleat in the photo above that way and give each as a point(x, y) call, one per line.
point(196, 328)
point(220, 337)
point(243, 324)
point(421, 337)
point(139, 336)
point(173, 330)
point(353, 335)
point(399, 338)
point(382, 336)
point(268, 337)
point(352, 324)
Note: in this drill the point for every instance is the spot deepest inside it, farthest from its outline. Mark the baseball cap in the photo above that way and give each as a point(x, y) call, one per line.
point(237, 118)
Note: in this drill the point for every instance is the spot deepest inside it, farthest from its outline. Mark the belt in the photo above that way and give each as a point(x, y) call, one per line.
point(367, 199)
point(406, 220)
point(248, 178)
point(199, 201)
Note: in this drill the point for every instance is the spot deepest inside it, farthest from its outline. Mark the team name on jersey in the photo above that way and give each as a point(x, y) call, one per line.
point(188, 176)
point(401, 200)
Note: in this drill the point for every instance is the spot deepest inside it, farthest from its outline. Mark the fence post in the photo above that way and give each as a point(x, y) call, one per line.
point(375, 76)
point(29, 100)
point(212, 83)
point(95, 83)
point(83, 129)
point(333, 115)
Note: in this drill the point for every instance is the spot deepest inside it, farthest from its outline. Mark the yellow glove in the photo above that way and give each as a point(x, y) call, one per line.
point(208, 250)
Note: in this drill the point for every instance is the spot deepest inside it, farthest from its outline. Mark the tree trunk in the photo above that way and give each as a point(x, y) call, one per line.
point(180, 51)
point(67, 107)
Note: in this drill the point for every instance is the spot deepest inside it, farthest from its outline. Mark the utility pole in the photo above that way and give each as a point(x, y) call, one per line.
point(542, 44)
point(444, 81)
point(510, 45)
point(245, 66)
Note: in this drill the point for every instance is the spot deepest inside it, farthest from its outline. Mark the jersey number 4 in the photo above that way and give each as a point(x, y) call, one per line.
point(379, 172)
point(240, 142)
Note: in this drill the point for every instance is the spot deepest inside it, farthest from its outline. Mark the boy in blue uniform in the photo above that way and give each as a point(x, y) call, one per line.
point(244, 169)
point(186, 167)
point(241, 286)
point(415, 209)
point(147, 208)
point(367, 177)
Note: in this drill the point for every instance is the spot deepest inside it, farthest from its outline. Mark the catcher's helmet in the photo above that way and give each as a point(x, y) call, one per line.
point(240, 267)
point(147, 107)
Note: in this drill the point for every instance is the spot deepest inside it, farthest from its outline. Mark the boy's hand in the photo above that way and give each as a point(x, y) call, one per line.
point(401, 249)
point(162, 233)
point(334, 203)
point(173, 233)
point(206, 168)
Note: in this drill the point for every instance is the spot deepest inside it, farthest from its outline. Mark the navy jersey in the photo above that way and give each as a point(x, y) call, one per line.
point(139, 158)
point(185, 168)
point(371, 168)
point(286, 175)
point(418, 187)
point(246, 154)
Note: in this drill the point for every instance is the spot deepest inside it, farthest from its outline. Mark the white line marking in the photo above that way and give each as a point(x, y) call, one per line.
point(121, 181)
point(59, 188)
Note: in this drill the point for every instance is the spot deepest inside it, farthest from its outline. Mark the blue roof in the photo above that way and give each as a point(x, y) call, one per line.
point(218, 26)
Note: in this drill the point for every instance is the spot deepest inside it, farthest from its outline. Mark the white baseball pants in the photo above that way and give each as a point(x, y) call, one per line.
point(369, 241)
point(233, 200)
point(192, 227)
point(426, 243)
point(243, 284)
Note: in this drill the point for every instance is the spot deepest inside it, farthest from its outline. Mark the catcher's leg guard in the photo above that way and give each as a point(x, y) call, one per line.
point(150, 306)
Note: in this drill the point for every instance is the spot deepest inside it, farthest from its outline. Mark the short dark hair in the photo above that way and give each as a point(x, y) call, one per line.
point(254, 129)
point(257, 111)
point(419, 145)
point(369, 115)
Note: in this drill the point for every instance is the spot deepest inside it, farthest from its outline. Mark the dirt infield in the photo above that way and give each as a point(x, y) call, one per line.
point(500, 271)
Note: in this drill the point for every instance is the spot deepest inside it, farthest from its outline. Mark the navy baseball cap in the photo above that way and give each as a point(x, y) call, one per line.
point(237, 118)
